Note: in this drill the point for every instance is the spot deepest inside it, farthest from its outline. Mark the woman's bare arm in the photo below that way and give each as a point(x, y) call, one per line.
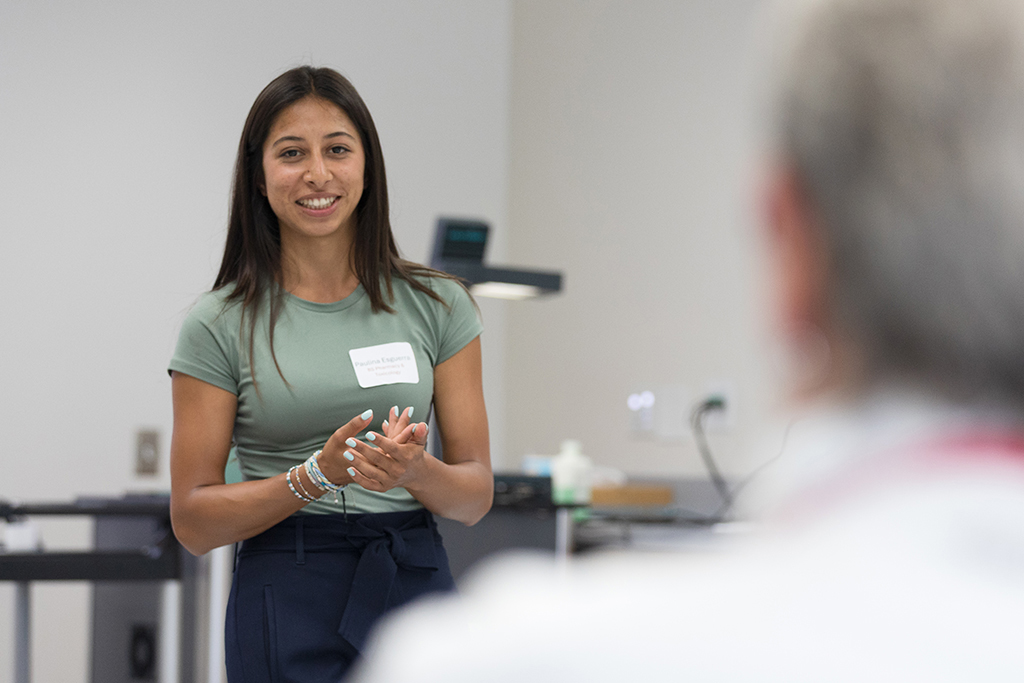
point(207, 513)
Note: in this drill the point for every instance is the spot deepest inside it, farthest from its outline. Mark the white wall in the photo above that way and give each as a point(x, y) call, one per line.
point(633, 171)
point(119, 125)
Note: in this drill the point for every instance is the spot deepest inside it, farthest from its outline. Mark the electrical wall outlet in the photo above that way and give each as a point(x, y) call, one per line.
point(661, 413)
point(641, 413)
point(147, 451)
point(723, 419)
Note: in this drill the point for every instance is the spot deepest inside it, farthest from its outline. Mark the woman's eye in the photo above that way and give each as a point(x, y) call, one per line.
point(290, 153)
point(339, 149)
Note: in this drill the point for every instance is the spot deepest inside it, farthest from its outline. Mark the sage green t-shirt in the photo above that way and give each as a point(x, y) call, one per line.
point(284, 423)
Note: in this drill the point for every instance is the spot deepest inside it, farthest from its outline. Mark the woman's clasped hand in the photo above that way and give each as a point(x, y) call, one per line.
point(380, 462)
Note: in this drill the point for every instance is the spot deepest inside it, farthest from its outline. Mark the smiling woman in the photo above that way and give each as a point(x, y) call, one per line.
point(281, 363)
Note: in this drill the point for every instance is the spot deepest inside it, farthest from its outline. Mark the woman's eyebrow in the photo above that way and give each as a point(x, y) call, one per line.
point(288, 138)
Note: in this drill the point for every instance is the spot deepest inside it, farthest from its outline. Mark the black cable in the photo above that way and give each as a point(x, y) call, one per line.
point(697, 423)
point(727, 495)
point(757, 470)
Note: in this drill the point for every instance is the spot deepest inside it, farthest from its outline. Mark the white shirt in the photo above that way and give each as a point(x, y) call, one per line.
point(893, 551)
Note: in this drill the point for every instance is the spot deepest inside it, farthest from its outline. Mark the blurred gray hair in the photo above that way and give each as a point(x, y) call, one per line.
point(905, 121)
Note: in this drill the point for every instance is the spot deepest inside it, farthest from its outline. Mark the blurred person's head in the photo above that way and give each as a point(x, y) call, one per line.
point(898, 202)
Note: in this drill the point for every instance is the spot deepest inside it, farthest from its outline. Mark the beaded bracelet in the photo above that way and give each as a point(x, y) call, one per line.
point(288, 477)
point(298, 483)
point(319, 480)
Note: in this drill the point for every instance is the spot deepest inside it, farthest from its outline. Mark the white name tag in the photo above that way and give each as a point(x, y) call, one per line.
point(392, 363)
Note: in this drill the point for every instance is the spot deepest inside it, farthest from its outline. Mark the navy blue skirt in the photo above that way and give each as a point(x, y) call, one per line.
point(307, 591)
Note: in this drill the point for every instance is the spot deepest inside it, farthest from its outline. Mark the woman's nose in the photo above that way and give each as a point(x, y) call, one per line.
point(317, 173)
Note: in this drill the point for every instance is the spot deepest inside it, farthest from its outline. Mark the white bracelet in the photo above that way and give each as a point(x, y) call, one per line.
point(288, 478)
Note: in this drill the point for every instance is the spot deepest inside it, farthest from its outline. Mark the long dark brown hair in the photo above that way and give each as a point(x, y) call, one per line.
point(252, 253)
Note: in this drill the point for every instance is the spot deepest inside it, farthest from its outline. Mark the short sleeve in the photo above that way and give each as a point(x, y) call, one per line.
point(207, 346)
point(462, 323)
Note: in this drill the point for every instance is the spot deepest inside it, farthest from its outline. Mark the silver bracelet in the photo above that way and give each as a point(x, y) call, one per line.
point(288, 478)
point(298, 483)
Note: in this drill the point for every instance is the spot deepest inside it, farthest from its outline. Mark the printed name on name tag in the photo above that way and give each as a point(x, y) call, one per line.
point(393, 363)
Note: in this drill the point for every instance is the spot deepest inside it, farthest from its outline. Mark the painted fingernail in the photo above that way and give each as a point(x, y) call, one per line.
point(414, 429)
point(367, 415)
point(395, 411)
point(385, 425)
point(371, 436)
point(349, 456)
point(410, 412)
point(351, 471)
point(351, 443)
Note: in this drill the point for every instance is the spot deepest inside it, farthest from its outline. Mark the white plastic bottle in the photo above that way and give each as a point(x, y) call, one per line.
point(570, 475)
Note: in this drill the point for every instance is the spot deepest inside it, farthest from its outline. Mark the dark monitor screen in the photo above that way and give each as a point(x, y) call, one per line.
point(461, 240)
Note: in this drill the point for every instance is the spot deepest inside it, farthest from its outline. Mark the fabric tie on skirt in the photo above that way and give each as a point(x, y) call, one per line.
point(383, 551)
